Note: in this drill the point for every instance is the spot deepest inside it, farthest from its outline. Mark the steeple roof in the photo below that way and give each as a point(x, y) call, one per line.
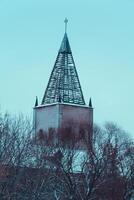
point(64, 85)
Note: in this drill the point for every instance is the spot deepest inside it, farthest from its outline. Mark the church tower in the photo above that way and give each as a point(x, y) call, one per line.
point(63, 104)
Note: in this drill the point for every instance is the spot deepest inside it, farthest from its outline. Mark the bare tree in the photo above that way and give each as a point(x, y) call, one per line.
point(15, 134)
point(59, 165)
point(106, 172)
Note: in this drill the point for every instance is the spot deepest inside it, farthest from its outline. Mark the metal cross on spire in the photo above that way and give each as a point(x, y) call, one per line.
point(66, 21)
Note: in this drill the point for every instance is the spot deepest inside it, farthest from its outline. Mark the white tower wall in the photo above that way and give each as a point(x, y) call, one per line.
point(46, 117)
point(60, 115)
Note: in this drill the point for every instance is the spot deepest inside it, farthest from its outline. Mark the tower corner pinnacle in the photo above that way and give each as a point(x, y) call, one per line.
point(90, 103)
point(36, 102)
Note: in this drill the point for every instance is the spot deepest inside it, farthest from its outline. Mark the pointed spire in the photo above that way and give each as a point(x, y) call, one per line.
point(36, 101)
point(64, 82)
point(65, 46)
point(90, 103)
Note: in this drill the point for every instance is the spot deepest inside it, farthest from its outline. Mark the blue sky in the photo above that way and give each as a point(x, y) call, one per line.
point(101, 35)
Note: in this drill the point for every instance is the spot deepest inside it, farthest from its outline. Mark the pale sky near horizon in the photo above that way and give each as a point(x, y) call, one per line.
point(101, 35)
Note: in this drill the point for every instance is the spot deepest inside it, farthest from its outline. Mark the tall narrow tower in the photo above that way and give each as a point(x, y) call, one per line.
point(63, 103)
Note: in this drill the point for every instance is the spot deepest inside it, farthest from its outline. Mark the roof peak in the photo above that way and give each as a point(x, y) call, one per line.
point(65, 46)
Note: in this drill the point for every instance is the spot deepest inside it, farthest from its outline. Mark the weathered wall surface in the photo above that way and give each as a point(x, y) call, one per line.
point(76, 115)
point(46, 117)
point(61, 115)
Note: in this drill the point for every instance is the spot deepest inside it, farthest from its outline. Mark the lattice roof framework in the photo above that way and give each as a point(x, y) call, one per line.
point(64, 85)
